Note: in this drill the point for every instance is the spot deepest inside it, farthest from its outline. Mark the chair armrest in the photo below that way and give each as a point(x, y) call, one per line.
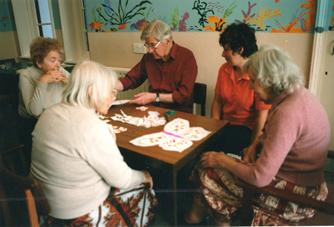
point(326, 206)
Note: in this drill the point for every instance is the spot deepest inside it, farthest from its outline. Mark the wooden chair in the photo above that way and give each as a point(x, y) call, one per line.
point(199, 96)
point(8, 109)
point(324, 209)
point(22, 199)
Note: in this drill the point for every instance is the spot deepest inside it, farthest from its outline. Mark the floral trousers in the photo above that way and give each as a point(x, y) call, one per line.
point(224, 197)
point(132, 207)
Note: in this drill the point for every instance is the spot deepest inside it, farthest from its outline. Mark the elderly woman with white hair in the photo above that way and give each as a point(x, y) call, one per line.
point(290, 155)
point(76, 159)
point(170, 69)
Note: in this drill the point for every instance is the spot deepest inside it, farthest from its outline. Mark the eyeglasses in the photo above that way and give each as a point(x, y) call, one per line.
point(150, 46)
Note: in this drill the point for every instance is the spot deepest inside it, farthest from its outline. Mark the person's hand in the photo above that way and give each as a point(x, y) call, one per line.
point(53, 76)
point(143, 98)
point(249, 154)
point(212, 159)
point(148, 179)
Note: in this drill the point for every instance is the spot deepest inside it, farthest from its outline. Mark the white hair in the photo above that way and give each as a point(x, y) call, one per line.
point(274, 70)
point(89, 85)
point(158, 30)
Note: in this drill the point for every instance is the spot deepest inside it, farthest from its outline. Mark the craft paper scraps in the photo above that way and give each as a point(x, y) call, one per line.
point(142, 108)
point(177, 136)
point(152, 120)
point(118, 129)
point(120, 102)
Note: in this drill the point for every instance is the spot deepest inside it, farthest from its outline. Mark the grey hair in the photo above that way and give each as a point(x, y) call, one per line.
point(158, 30)
point(89, 85)
point(274, 70)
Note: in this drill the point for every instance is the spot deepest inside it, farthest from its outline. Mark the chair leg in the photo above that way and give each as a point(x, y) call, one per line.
point(31, 205)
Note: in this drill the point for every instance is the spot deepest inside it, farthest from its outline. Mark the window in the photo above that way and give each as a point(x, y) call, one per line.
point(60, 19)
point(33, 18)
point(44, 21)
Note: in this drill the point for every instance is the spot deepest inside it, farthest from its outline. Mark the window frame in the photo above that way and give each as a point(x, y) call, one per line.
point(73, 31)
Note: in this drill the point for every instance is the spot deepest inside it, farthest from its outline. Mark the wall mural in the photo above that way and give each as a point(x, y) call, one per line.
point(201, 15)
point(331, 23)
point(190, 15)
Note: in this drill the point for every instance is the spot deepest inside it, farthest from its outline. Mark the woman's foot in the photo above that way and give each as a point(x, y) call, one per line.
point(197, 212)
point(193, 218)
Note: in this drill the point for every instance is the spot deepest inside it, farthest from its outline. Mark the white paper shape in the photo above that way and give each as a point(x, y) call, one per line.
point(148, 140)
point(178, 126)
point(177, 136)
point(172, 143)
point(195, 133)
point(120, 102)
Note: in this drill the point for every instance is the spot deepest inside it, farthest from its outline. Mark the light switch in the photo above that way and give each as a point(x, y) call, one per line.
point(138, 48)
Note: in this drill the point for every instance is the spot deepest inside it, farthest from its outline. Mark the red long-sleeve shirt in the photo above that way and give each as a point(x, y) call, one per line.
point(177, 75)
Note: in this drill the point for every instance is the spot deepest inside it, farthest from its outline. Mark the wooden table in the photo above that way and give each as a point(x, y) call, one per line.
point(163, 165)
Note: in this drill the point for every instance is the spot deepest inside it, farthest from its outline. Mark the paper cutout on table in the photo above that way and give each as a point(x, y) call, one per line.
point(152, 120)
point(177, 136)
point(120, 102)
point(114, 128)
point(142, 108)
point(118, 129)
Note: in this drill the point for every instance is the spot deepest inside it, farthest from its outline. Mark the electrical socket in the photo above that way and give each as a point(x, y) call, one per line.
point(138, 48)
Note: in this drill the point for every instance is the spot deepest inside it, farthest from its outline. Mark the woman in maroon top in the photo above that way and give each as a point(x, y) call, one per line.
point(291, 151)
point(170, 69)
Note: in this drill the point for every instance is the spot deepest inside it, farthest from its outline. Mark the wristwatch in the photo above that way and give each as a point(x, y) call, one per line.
point(157, 98)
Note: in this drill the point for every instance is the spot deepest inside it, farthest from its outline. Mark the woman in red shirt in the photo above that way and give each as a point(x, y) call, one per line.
point(234, 100)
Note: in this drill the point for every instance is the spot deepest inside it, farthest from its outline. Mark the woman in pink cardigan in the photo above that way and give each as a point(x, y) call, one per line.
point(291, 151)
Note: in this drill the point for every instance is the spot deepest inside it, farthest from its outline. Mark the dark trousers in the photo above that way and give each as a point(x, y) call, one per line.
point(233, 139)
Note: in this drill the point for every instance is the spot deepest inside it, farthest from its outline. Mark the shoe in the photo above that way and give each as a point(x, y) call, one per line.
point(192, 219)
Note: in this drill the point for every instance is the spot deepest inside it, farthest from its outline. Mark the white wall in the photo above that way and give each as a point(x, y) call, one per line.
point(325, 79)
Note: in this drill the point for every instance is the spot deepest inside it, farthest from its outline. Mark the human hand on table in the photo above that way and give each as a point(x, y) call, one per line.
point(53, 76)
point(148, 179)
point(143, 98)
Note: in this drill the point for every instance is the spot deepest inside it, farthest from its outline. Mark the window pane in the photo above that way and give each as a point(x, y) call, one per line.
point(47, 31)
point(44, 12)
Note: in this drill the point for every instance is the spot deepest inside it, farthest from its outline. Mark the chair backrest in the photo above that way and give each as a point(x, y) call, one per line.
point(23, 200)
point(199, 96)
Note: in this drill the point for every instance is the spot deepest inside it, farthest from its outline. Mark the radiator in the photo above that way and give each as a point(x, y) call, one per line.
point(129, 93)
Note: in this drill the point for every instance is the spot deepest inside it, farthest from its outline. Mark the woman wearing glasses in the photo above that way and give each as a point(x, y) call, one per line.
point(170, 69)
